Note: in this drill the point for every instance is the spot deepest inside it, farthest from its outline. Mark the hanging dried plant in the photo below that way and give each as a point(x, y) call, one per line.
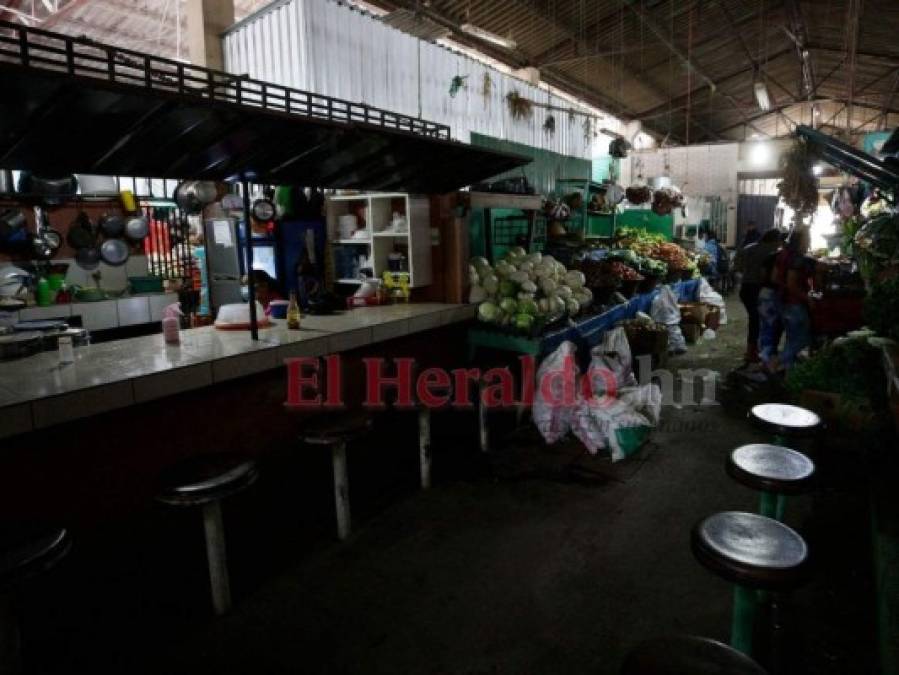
point(487, 87)
point(520, 108)
point(587, 126)
point(457, 83)
point(799, 187)
point(549, 125)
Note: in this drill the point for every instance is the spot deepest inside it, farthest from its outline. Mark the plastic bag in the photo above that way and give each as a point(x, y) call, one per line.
point(709, 334)
point(710, 296)
point(611, 423)
point(556, 398)
point(664, 307)
point(677, 344)
point(611, 364)
point(646, 400)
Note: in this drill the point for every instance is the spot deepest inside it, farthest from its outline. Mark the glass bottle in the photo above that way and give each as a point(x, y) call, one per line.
point(293, 312)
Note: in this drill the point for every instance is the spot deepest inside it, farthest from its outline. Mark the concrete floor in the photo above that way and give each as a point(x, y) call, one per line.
point(533, 560)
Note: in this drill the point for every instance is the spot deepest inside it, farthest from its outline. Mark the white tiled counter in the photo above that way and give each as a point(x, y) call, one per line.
point(37, 392)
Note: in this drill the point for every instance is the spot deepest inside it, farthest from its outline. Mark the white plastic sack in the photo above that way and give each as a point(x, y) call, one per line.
point(664, 307)
point(676, 341)
point(710, 296)
point(611, 423)
point(611, 364)
point(646, 400)
point(555, 398)
point(709, 334)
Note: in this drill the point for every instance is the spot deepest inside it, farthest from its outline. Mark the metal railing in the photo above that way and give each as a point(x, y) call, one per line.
point(85, 58)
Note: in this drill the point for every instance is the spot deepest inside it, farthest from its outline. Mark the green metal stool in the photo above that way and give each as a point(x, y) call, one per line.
point(773, 470)
point(755, 553)
point(785, 421)
point(687, 655)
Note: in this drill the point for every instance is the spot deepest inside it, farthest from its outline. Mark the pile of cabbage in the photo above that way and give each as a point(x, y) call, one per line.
point(526, 290)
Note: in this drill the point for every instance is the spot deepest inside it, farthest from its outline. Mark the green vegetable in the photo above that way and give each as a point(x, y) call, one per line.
point(507, 288)
point(524, 322)
point(528, 307)
point(487, 311)
point(508, 305)
point(851, 368)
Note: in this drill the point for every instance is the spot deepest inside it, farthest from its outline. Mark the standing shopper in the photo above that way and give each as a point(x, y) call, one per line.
point(752, 234)
point(750, 263)
point(792, 274)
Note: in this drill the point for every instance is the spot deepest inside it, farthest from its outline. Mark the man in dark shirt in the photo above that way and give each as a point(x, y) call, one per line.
point(750, 262)
point(752, 234)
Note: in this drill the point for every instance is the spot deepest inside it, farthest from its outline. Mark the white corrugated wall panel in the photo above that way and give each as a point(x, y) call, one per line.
point(332, 49)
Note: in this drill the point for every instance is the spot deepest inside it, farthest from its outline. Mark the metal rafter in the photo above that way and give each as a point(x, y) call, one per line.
point(853, 13)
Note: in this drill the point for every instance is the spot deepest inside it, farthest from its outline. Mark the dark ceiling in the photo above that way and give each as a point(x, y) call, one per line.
point(687, 68)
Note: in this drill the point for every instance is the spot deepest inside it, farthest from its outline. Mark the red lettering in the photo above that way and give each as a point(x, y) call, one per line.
point(528, 379)
point(501, 394)
point(375, 381)
point(462, 377)
point(334, 381)
point(427, 381)
point(569, 386)
point(297, 382)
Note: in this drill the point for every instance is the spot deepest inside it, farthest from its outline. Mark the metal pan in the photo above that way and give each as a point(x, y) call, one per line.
point(114, 252)
point(112, 225)
point(88, 258)
point(137, 228)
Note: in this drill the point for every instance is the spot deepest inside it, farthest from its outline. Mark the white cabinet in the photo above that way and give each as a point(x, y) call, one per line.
point(376, 211)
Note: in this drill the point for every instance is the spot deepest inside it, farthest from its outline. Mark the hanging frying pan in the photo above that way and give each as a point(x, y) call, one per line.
point(137, 228)
point(114, 252)
point(88, 258)
point(112, 225)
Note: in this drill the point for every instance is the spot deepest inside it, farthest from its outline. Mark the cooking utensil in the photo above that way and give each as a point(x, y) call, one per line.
point(88, 258)
point(54, 189)
point(81, 232)
point(137, 228)
point(89, 294)
point(13, 231)
point(192, 195)
point(114, 252)
point(112, 225)
point(38, 325)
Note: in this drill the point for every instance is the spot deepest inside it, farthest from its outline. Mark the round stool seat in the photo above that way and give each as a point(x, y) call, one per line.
point(751, 550)
point(784, 419)
point(28, 551)
point(771, 468)
point(206, 478)
point(337, 427)
point(688, 655)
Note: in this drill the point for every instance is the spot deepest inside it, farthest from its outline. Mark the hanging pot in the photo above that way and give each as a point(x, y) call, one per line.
point(112, 225)
point(13, 233)
point(192, 195)
point(114, 252)
point(81, 232)
point(88, 258)
point(54, 189)
point(137, 228)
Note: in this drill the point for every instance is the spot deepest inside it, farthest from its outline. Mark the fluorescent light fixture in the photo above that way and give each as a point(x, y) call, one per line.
point(818, 169)
point(487, 36)
point(760, 153)
point(761, 95)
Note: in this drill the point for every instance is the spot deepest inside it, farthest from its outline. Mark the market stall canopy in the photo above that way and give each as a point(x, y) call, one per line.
point(849, 159)
point(72, 105)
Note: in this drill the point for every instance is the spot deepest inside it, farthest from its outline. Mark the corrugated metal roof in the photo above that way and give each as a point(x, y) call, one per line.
point(628, 56)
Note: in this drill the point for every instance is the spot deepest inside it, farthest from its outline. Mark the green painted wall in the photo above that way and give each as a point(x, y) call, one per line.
point(545, 168)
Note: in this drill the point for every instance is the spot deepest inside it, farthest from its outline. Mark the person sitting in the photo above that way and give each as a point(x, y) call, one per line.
point(266, 290)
